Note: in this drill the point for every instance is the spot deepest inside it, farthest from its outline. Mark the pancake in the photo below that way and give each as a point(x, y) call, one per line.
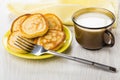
point(11, 40)
point(17, 22)
point(53, 40)
point(34, 26)
point(54, 22)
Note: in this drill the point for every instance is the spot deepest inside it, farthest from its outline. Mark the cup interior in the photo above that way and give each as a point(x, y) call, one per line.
point(93, 10)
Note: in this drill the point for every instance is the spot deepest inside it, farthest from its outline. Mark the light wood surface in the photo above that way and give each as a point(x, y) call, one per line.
point(14, 68)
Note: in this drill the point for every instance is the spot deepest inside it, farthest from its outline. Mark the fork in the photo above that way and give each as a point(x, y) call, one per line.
point(38, 50)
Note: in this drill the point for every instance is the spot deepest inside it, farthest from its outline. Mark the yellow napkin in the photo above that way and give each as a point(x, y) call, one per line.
point(64, 9)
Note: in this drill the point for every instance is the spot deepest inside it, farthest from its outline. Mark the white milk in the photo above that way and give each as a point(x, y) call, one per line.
point(93, 20)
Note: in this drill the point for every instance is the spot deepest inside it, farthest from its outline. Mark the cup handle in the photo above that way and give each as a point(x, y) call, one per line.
point(109, 39)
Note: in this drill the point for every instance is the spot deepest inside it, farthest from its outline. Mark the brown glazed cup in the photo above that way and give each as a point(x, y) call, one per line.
point(94, 38)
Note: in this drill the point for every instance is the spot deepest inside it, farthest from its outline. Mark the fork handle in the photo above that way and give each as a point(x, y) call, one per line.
point(98, 65)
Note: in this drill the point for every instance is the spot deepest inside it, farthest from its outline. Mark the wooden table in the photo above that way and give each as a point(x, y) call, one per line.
point(15, 68)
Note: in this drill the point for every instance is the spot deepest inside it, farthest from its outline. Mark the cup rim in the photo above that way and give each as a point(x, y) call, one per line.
point(93, 8)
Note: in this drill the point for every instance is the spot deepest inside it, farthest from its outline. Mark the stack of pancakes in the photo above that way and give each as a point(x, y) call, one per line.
point(45, 30)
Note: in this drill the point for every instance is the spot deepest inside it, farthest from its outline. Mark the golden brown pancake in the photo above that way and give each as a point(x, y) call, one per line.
point(52, 40)
point(17, 22)
point(54, 22)
point(46, 29)
point(11, 40)
point(34, 26)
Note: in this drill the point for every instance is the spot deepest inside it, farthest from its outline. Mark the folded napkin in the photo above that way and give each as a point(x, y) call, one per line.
point(64, 9)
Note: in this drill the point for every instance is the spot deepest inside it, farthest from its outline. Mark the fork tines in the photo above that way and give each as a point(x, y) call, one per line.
point(24, 44)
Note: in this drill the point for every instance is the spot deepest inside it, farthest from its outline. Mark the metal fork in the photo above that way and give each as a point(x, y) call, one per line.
point(38, 50)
